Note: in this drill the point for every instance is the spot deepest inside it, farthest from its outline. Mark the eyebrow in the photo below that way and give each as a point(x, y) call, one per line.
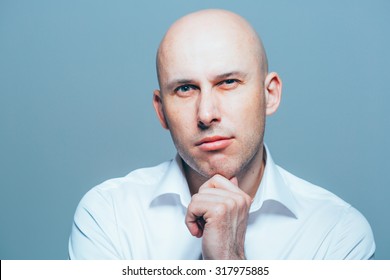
point(230, 74)
point(177, 82)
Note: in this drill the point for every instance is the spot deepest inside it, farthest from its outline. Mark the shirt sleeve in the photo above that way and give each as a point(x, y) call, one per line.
point(94, 231)
point(352, 238)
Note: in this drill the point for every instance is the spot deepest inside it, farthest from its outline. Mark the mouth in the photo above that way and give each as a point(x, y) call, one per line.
point(214, 143)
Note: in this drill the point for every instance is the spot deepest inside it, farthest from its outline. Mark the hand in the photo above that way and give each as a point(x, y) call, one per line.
point(219, 213)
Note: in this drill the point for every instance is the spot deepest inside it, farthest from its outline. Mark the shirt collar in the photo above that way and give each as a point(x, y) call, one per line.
point(174, 182)
point(274, 189)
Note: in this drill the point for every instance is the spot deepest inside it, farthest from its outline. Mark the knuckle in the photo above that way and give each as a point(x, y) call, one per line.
point(241, 200)
point(231, 203)
point(194, 198)
point(247, 200)
point(190, 208)
point(220, 209)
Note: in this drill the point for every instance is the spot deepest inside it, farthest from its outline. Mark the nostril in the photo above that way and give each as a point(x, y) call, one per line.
point(202, 125)
point(205, 125)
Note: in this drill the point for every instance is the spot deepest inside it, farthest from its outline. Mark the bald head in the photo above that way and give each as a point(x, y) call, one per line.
point(213, 78)
point(197, 33)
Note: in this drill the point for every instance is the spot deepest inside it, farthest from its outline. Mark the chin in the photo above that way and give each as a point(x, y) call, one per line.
point(224, 170)
point(227, 167)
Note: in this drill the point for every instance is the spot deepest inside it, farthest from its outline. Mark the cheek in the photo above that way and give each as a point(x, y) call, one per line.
point(248, 109)
point(179, 119)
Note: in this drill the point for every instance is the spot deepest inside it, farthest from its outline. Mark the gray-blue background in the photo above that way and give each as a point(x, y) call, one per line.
point(76, 81)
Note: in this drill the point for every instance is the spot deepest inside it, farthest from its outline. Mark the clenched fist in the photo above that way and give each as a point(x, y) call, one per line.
point(219, 214)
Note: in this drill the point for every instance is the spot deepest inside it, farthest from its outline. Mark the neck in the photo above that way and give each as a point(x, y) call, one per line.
point(249, 177)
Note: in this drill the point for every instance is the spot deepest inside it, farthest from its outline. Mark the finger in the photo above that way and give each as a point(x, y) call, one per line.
point(220, 195)
point(218, 181)
point(194, 228)
point(200, 207)
point(192, 223)
point(212, 208)
point(215, 204)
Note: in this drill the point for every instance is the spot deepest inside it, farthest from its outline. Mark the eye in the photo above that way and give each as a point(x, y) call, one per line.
point(229, 84)
point(230, 81)
point(185, 90)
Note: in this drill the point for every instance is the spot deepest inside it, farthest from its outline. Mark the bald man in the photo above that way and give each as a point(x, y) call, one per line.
point(222, 197)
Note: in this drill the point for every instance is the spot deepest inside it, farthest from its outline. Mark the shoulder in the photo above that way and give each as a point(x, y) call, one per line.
point(347, 233)
point(114, 195)
point(97, 221)
point(310, 193)
point(352, 237)
point(140, 182)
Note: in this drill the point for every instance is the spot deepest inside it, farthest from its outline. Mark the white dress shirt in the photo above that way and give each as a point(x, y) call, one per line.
point(141, 216)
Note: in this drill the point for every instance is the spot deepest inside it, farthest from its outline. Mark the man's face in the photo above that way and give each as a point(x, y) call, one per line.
point(212, 101)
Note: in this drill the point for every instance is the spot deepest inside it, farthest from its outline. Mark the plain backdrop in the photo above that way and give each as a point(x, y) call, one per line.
point(76, 82)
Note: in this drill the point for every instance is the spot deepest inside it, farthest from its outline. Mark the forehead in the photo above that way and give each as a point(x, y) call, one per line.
point(190, 55)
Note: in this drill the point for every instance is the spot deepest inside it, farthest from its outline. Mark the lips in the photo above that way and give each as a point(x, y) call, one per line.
point(214, 143)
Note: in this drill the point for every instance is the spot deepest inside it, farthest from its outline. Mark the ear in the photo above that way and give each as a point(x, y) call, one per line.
point(158, 107)
point(273, 92)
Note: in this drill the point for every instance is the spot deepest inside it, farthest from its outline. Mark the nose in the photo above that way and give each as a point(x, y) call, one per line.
point(208, 109)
